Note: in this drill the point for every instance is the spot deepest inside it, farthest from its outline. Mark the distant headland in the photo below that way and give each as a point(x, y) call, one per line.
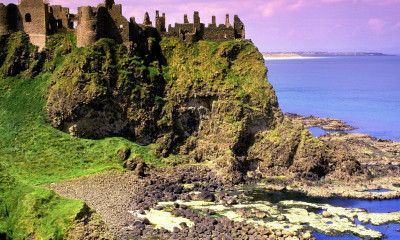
point(310, 54)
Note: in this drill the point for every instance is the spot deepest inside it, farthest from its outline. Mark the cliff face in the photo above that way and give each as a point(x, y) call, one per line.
point(203, 101)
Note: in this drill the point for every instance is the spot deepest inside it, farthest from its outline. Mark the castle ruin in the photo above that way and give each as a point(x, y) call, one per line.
point(41, 20)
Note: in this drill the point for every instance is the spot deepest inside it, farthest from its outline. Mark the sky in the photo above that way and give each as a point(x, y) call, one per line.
point(285, 25)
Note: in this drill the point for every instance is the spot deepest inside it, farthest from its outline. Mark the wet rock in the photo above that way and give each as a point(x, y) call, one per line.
point(205, 196)
point(230, 201)
point(183, 225)
point(324, 123)
point(146, 221)
point(281, 218)
point(326, 214)
point(261, 214)
point(307, 235)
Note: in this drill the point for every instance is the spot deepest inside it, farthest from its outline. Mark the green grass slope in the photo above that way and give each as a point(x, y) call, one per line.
point(34, 212)
point(36, 153)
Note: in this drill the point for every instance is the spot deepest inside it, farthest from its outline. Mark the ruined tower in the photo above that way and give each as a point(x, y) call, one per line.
point(87, 27)
point(160, 22)
point(3, 20)
point(147, 22)
point(35, 20)
point(239, 28)
point(109, 3)
point(227, 24)
point(196, 21)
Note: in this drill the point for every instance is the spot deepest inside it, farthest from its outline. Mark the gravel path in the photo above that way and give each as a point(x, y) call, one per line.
point(109, 194)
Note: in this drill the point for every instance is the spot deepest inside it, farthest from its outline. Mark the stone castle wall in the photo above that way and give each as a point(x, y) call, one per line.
point(41, 20)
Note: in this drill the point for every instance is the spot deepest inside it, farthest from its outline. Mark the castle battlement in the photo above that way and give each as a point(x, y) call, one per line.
point(41, 20)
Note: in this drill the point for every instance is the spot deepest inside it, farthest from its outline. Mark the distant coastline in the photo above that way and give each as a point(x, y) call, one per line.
point(281, 56)
point(311, 54)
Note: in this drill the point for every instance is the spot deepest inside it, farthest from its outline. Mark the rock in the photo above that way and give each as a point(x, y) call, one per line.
point(146, 221)
point(365, 148)
point(230, 201)
point(326, 214)
point(137, 165)
point(123, 153)
point(261, 214)
point(324, 123)
point(307, 235)
point(139, 170)
point(281, 218)
point(205, 196)
point(242, 212)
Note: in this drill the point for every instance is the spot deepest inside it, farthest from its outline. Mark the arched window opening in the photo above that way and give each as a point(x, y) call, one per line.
point(94, 27)
point(28, 17)
point(59, 24)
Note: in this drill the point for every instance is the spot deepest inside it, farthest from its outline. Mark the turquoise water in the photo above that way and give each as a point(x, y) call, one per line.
point(363, 91)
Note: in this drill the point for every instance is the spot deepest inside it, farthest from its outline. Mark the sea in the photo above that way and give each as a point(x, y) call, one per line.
point(363, 91)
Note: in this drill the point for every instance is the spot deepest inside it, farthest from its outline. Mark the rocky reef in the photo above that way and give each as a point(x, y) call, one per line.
point(324, 123)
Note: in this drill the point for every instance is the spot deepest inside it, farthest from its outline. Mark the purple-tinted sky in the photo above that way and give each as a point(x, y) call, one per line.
point(286, 25)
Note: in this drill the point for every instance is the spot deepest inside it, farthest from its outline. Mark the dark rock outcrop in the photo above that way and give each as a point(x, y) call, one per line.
point(324, 123)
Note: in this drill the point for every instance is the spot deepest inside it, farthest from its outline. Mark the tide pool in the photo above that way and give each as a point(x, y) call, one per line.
point(363, 91)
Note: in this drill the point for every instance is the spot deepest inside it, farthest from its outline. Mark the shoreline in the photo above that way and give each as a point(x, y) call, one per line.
point(158, 202)
point(290, 58)
point(331, 125)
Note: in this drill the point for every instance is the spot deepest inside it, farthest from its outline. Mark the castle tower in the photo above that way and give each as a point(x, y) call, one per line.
point(163, 20)
point(146, 20)
point(214, 21)
point(35, 16)
point(87, 27)
point(109, 3)
point(185, 19)
point(239, 27)
point(196, 20)
point(160, 22)
point(3, 20)
point(227, 24)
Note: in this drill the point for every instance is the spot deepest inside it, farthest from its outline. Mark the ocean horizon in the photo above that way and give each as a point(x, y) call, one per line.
point(363, 91)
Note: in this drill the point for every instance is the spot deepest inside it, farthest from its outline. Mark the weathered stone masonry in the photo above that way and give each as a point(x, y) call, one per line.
point(41, 20)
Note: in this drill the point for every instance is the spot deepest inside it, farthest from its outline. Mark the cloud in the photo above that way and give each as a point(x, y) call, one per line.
point(396, 26)
point(376, 25)
point(273, 7)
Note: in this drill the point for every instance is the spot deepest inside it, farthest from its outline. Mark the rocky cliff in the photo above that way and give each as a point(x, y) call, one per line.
point(200, 102)
point(203, 101)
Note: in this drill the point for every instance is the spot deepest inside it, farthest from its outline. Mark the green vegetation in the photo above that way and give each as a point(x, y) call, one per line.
point(32, 152)
point(27, 211)
point(36, 153)
point(230, 67)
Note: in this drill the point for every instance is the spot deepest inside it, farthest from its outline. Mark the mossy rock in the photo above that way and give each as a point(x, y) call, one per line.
point(19, 55)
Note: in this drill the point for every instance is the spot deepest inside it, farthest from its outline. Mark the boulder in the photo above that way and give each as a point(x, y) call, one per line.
point(123, 153)
point(205, 196)
point(137, 165)
point(326, 214)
